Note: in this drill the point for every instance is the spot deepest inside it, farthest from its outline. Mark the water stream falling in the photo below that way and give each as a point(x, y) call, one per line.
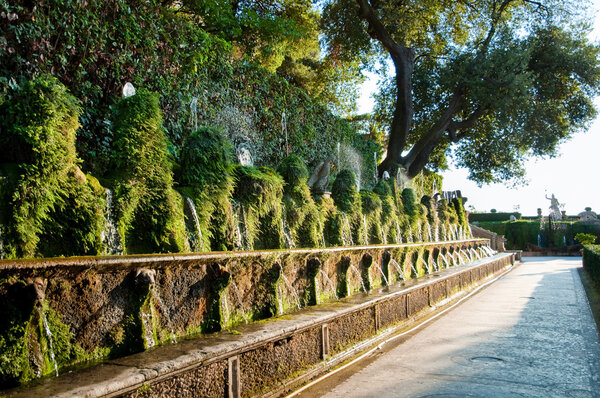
point(1, 244)
point(110, 236)
point(238, 297)
point(443, 232)
point(429, 232)
point(409, 235)
point(475, 254)
point(329, 282)
point(453, 257)
point(445, 260)
point(240, 229)
point(287, 235)
point(366, 230)
point(346, 231)
point(292, 290)
point(488, 250)
point(194, 112)
point(398, 233)
point(225, 310)
point(414, 269)
point(427, 266)
point(398, 268)
point(382, 273)
point(463, 259)
point(194, 231)
point(433, 265)
point(49, 336)
point(322, 231)
point(362, 283)
point(280, 309)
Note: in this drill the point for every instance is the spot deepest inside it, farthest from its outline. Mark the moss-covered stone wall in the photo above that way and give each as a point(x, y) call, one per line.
point(55, 313)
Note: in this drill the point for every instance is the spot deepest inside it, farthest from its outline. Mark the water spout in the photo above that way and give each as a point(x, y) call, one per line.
point(111, 238)
point(346, 231)
point(49, 337)
point(362, 283)
point(291, 290)
point(195, 239)
point(398, 268)
point(1, 244)
point(382, 273)
point(287, 235)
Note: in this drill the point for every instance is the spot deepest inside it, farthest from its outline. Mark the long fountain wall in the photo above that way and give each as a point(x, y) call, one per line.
point(58, 312)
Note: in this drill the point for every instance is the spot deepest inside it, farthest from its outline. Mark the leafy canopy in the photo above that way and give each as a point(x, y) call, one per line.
point(503, 80)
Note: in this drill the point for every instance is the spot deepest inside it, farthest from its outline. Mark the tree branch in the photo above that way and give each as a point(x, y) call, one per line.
point(465, 124)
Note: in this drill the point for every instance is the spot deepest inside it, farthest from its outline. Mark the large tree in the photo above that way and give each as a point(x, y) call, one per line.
point(503, 80)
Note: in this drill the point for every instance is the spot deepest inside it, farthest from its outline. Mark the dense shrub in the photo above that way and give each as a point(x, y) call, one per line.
point(259, 191)
point(42, 181)
point(349, 203)
point(372, 210)
point(390, 216)
point(302, 216)
point(149, 211)
point(206, 174)
point(591, 261)
point(585, 239)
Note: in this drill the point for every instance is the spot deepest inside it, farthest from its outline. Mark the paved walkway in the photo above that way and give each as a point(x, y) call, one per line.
point(530, 334)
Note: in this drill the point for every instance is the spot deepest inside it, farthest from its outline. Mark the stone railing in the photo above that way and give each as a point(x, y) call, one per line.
point(497, 242)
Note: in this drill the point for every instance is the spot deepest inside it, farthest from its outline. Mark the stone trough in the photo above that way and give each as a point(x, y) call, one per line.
point(195, 316)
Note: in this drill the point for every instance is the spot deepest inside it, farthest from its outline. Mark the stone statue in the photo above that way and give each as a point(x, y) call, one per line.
point(319, 180)
point(555, 213)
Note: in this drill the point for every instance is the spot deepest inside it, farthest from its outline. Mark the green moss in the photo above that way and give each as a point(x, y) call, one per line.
point(349, 203)
point(39, 123)
point(15, 318)
point(260, 191)
point(129, 337)
point(331, 219)
point(458, 204)
point(206, 172)
point(372, 207)
point(76, 222)
point(149, 211)
point(390, 216)
point(344, 193)
point(294, 171)
point(301, 211)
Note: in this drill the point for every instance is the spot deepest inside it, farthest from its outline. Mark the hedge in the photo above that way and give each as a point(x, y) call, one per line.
point(486, 217)
point(520, 233)
point(591, 261)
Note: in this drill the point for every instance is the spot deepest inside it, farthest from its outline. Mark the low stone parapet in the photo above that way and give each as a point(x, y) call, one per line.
point(272, 356)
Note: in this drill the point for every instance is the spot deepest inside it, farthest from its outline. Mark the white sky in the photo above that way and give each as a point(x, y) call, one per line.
point(572, 176)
